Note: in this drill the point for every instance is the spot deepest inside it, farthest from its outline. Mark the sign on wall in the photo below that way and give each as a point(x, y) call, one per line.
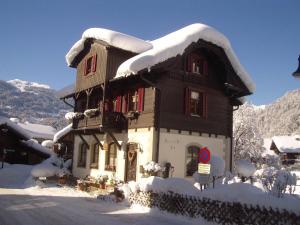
point(203, 155)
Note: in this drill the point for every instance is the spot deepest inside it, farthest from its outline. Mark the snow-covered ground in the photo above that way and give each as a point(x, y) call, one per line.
point(23, 204)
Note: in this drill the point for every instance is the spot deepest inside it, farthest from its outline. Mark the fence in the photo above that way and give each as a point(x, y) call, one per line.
point(214, 210)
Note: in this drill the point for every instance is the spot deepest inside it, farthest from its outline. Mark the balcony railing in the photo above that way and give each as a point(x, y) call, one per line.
point(112, 120)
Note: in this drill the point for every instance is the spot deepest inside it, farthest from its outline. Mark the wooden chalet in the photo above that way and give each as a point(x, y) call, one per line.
point(138, 101)
point(16, 146)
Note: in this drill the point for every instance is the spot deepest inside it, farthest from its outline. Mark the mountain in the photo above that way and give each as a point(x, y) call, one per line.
point(281, 117)
point(33, 102)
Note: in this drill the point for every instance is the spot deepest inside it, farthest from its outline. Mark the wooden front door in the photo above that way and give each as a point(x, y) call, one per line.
point(131, 161)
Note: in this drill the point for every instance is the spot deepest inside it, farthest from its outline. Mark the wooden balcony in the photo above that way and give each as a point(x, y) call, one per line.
point(111, 120)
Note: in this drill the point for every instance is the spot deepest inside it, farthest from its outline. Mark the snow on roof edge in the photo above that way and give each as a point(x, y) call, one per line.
point(287, 144)
point(62, 132)
point(175, 43)
point(113, 38)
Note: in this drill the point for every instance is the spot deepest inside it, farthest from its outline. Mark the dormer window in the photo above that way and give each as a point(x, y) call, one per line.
point(197, 64)
point(90, 65)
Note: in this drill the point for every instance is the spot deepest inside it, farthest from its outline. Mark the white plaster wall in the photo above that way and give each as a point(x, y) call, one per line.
point(143, 136)
point(173, 146)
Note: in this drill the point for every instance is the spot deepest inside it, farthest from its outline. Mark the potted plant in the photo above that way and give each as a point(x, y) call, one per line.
point(102, 179)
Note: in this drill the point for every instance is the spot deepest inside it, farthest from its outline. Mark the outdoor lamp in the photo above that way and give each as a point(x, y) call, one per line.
point(297, 72)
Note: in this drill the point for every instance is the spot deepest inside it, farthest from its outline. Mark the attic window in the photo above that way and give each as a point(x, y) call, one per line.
point(197, 64)
point(90, 65)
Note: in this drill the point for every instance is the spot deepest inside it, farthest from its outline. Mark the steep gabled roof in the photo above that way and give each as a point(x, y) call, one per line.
point(287, 144)
point(159, 50)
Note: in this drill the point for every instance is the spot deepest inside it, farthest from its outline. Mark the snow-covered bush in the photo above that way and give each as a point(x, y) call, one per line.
point(271, 161)
point(277, 182)
point(217, 166)
point(73, 115)
point(91, 112)
point(245, 168)
point(151, 168)
point(63, 172)
point(48, 144)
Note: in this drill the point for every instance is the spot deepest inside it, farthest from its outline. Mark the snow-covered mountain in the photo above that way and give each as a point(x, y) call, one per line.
point(33, 102)
point(281, 117)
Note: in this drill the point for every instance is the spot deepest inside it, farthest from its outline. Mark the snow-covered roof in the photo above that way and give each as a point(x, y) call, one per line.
point(38, 147)
point(62, 132)
point(113, 38)
point(38, 130)
point(161, 49)
point(15, 127)
point(287, 144)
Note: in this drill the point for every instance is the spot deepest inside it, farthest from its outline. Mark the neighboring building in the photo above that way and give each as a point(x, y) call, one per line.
point(38, 132)
point(16, 146)
point(287, 147)
point(137, 101)
point(64, 142)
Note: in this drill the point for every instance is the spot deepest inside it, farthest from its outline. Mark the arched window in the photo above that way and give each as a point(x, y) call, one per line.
point(111, 157)
point(82, 155)
point(95, 156)
point(191, 160)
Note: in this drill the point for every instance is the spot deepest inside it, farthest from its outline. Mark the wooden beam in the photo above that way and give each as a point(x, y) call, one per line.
point(114, 139)
point(96, 138)
point(83, 140)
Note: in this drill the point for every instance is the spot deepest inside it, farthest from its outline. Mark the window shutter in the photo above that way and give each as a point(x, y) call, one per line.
point(141, 99)
point(94, 63)
point(124, 103)
point(118, 104)
point(205, 67)
point(187, 101)
point(85, 67)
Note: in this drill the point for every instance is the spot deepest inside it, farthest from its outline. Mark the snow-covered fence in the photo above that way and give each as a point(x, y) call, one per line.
point(214, 210)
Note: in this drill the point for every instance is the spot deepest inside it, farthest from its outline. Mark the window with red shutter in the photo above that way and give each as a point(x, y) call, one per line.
point(195, 103)
point(197, 64)
point(141, 99)
point(90, 65)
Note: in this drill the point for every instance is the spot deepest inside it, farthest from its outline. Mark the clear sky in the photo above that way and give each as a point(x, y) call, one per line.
point(35, 35)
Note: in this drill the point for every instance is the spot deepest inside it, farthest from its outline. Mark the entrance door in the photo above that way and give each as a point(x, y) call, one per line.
point(131, 161)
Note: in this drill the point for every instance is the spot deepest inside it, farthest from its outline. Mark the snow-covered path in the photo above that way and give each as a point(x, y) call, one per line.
point(62, 206)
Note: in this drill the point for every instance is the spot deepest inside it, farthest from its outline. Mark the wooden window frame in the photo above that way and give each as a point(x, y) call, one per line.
point(194, 160)
point(90, 65)
point(193, 60)
point(188, 98)
point(82, 155)
point(109, 165)
point(94, 163)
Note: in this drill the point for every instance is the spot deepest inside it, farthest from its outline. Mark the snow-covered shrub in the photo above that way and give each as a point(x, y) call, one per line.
point(67, 164)
point(271, 161)
point(277, 182)
point(151, 168)
point(217, 166)
point(245, 168)
point(73, 115)
point(227, 177)
point(48, 144)
point(63, 172)
point(91, 112)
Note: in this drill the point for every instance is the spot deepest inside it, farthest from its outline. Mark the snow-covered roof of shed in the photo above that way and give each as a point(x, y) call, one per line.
point(62, 132)
point(15, 127)
point(287, 144)
point(175, 43)
point(113, 38)
point(38, 130)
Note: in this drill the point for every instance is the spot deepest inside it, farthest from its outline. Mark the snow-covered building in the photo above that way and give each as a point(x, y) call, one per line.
point(64, 142)
point(138, 101)
point(17, 145)
point(287, 147)
point(38, 132)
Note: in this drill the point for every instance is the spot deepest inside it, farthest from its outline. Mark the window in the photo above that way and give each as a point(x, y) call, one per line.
point(90, 65)
point(196, 103)
point(191, 160)
point(82, 155)
point(95, 156)
point(197, 64)
point(111, 157)
point(136, 100)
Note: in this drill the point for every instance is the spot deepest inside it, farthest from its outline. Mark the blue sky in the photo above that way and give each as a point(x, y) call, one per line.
point(36, 35)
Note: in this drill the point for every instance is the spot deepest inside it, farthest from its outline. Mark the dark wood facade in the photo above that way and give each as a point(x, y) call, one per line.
point(164, 91)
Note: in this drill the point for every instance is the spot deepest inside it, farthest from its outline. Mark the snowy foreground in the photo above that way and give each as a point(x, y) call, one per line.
point(22, 203)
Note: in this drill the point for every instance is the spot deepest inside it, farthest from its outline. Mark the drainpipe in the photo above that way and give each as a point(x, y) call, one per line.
point(231, 141)
point(157, 114)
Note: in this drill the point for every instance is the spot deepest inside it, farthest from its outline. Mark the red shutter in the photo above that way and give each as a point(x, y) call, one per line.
point(205, 67)
point(94, 63)
point(85, 67)
point(118, 104)
point(141, 99)
point(187, 101)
